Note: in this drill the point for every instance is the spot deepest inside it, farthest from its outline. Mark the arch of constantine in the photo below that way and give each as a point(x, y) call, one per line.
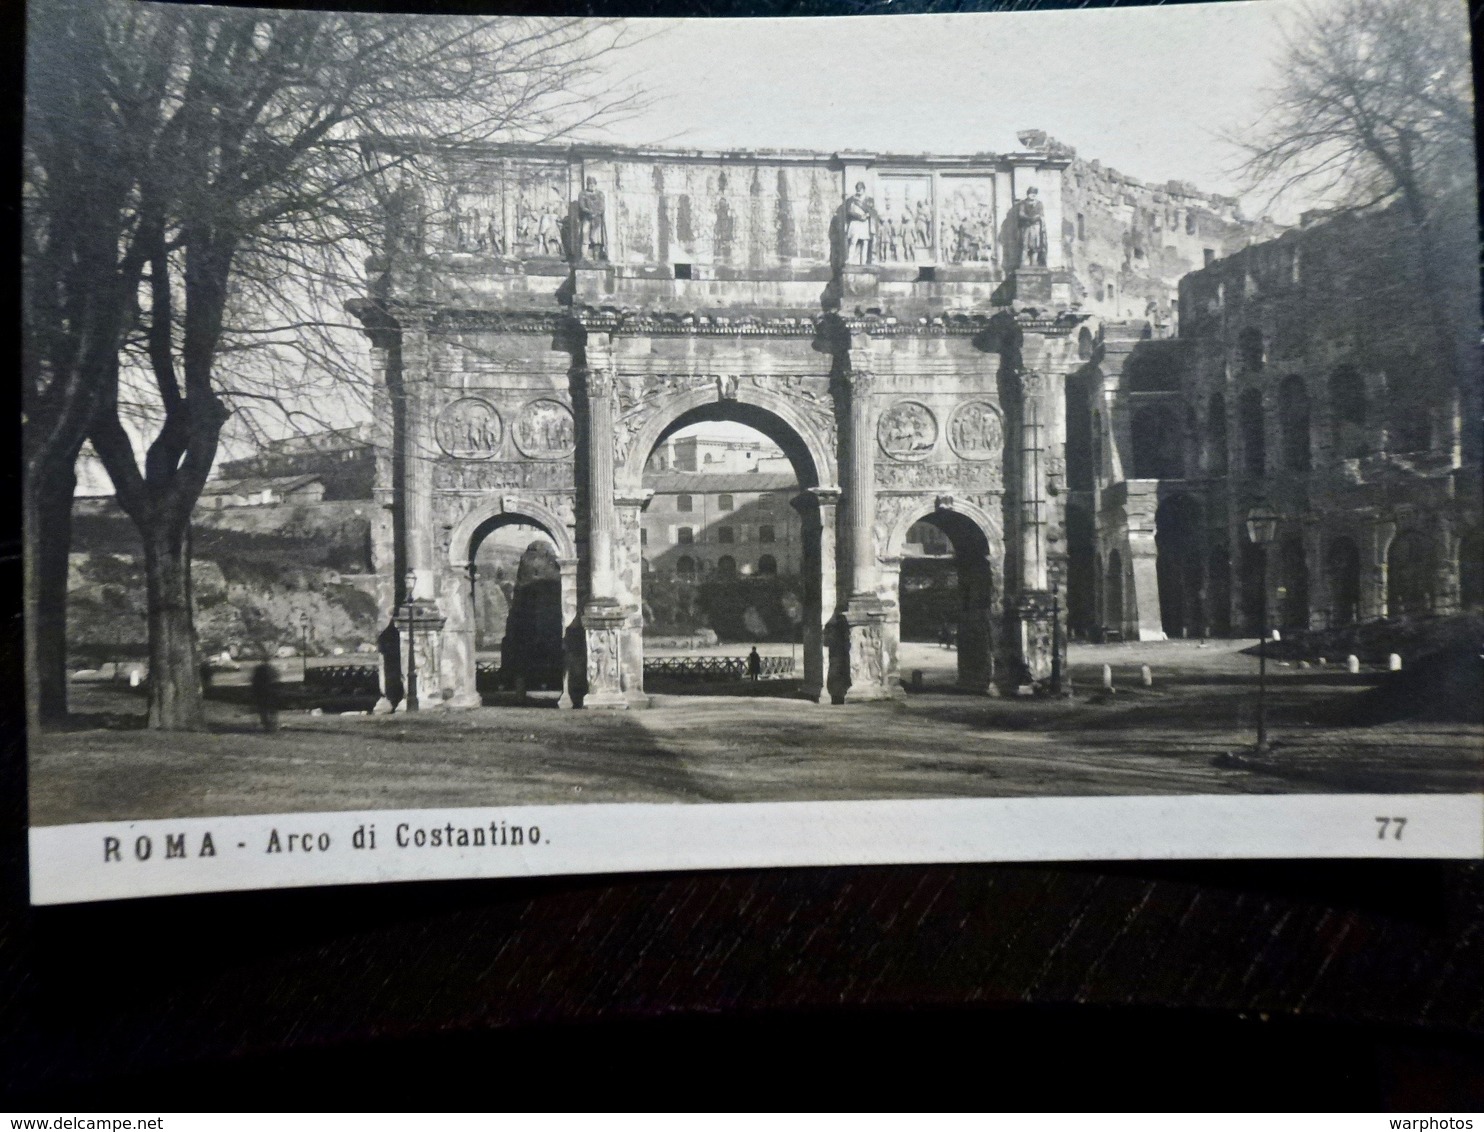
point(541, 318)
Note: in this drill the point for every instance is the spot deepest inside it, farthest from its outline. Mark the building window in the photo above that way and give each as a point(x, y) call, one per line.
point(685, 566)
point(726, 534)
point(684, 536)
point(1250, 349)
point(1293, 423)
point(724, 502)
point(1216, 435)
point(643, 537)
point(1254, 439)
point(683, 503)
point(726, 566)
point(1109, 294)
point(1081, 227)
point(765, 534)
point(767, 564)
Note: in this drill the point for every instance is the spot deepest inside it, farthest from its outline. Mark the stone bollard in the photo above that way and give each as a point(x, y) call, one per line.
point(135, 679)
point(1276, 636)
point(1303, 664)
point(1394, 663)
point(1320, 662)
point(1352, 664)
point(1146, 676)
point(1107, 677)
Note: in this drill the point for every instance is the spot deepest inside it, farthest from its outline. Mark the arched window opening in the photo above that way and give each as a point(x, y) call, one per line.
point(1254, 600)
point(1219, 591)
point(1409, 575)
point(726, 566)
point(1347, 404)
point(1254, 434)
point(1342, 569)
point(1082, 577)
point(1216, 461)
point(1158, 453)
point(1250, 350)
point(685, 567)
point(1293, 602)
point(767, 564)
point(1178, 554)
point(1293, 422)
point(1410, 425)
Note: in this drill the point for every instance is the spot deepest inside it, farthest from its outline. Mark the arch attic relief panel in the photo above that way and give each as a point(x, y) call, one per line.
point(753, 215)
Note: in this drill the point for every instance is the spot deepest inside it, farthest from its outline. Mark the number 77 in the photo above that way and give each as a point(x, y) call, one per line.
point(1386, 823)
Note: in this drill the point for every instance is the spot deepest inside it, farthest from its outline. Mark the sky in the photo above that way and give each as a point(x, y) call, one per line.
point(1148, 90)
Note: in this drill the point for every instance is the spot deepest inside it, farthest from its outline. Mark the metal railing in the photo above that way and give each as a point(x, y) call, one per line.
point(716, 668)
point(344, 679)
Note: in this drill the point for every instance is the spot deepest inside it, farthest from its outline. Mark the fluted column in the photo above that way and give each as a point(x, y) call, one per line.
point(1037, 607)
point(860, 487)
point(869, 667)
point(1034, 456)
point(604, 615)
point(601, 518)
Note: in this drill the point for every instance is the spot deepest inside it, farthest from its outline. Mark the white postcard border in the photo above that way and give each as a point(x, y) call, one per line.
point(95, 861)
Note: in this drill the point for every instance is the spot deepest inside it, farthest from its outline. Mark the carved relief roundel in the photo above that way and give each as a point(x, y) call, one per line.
point(907, 431)
point(470, 429)
point(976, 431)
point(545, 430)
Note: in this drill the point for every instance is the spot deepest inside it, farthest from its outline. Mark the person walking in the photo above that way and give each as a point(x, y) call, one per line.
point(265, 695)
point(754, 665)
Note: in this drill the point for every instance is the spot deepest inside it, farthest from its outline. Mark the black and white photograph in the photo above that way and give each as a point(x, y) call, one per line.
point(468, 446)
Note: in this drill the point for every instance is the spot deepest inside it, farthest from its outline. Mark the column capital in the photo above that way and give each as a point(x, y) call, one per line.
point(597, 380)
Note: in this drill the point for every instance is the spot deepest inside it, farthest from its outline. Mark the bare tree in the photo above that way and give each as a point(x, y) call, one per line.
point(245, 184)
point(1375, 105)
point(1374, 109)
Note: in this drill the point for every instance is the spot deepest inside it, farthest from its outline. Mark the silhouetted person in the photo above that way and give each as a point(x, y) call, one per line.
point(754, 665)
point(265, 694)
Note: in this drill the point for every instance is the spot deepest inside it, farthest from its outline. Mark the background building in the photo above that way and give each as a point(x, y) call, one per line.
point(1331, 375)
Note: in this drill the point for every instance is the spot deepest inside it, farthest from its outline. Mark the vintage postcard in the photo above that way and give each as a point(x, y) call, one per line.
point(473, 447)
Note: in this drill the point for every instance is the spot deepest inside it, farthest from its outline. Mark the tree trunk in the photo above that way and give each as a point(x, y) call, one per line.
point(47, 539)
point(175, 702)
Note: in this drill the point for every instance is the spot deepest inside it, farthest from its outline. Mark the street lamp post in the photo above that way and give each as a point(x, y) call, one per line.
point(304, 646)
point(411, 642)
point(1262, 527)
point(1056, 668)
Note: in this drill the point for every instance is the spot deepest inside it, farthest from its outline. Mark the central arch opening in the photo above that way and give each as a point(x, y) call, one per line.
point(946, 598)
point(730, 556)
